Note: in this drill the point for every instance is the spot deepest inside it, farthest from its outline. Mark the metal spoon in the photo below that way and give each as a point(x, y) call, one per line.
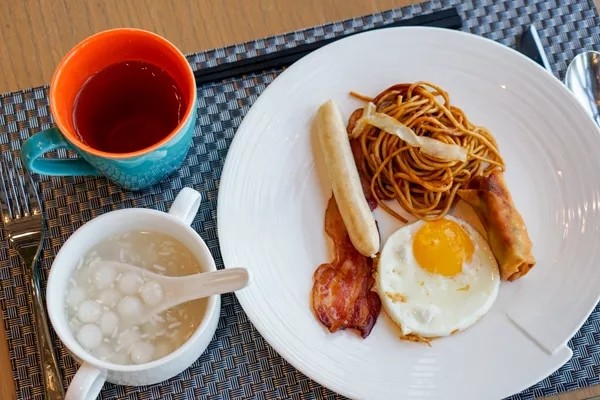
point(583, 79)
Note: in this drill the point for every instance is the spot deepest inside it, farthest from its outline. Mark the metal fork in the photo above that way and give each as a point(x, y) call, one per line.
point(22, 217)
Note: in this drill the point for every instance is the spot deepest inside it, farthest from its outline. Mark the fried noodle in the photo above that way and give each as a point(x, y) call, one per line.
point(423, 185)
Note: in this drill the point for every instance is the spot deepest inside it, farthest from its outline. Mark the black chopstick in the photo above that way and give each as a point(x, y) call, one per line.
point(447, 18)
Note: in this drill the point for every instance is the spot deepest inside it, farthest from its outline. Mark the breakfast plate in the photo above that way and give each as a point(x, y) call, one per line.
point(273, 195)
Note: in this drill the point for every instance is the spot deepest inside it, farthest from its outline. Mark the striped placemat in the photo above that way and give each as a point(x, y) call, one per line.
point(238, 363)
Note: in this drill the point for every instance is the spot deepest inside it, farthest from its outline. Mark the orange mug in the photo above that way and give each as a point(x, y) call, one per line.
point(125, 101)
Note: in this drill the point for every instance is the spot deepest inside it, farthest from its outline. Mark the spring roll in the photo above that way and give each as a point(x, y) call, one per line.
point(507, 234)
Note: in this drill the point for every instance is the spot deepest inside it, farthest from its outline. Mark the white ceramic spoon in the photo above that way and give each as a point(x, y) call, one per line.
point(174, 290)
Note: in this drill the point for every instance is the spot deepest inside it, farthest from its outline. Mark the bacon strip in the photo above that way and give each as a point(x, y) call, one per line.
point(341, 295)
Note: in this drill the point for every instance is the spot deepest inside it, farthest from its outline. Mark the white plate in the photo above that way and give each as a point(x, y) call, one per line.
point(272, 201)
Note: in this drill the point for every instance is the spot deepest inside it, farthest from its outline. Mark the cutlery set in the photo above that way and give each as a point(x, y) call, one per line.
point(582, 76)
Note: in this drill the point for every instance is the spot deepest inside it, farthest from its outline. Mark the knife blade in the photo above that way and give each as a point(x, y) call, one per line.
point(530, 45)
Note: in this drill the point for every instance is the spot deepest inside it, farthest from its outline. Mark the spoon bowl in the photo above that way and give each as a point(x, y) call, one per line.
point(583, 79)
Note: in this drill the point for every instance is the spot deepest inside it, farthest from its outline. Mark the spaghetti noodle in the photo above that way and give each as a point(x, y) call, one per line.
point(423, 185)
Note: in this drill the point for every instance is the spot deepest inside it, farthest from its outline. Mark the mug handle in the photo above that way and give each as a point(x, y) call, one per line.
point(50, 139)
point(86, 383)
point(186, 204)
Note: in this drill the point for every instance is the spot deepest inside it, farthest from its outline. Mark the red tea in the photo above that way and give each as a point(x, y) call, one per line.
point(127, 107)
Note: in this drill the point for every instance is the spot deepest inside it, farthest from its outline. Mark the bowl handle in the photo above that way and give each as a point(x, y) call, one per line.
point(86, 383)
point(185, 206)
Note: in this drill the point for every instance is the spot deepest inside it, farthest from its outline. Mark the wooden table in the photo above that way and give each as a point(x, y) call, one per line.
point(35, 34)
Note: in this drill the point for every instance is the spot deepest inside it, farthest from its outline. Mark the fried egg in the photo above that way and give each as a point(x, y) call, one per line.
point(436, 278)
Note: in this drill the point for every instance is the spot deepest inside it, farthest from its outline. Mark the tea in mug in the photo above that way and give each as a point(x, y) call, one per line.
point(127, 107)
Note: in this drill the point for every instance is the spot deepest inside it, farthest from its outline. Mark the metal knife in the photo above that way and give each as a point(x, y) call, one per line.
point(530, 45)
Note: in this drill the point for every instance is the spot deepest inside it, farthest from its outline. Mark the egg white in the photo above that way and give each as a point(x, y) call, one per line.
point(429, 305)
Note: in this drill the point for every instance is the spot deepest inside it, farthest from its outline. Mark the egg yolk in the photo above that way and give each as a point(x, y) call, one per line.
point(441, 247)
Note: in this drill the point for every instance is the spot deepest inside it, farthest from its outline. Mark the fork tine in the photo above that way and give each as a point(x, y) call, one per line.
point(31, 191)
point(4, 194)
point(26, 197)
point(21, 187)
point(12, 193)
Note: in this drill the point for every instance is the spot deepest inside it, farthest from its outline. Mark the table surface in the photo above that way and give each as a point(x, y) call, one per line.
point(36, 33)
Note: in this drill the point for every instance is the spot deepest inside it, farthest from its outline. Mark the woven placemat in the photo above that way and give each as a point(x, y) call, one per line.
point(238, 363)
